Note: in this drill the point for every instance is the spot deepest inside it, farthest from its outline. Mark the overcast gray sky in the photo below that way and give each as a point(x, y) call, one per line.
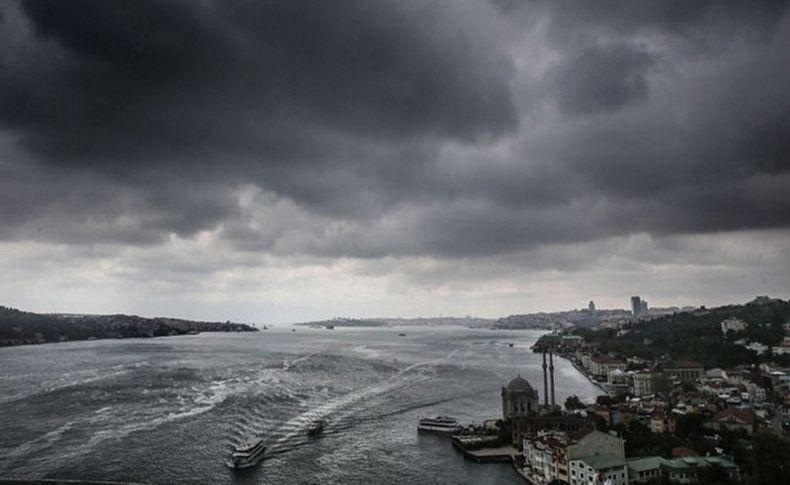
point(282, 161)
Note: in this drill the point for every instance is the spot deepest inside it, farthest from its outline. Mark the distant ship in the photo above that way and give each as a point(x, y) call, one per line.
point(330, 327)
point(247, 455)
point(439, 424)
point(316, 428)
point(401, 335)
point(510, 344)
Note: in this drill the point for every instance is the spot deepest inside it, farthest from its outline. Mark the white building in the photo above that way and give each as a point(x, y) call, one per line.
point(732, 324)
point(757, 393)
point(545, 457)
point(757, 347)
point(782, 349)
point(599, 470)
point(601, 365)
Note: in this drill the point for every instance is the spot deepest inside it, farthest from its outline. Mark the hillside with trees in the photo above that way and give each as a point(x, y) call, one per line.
point(19, 327)
point(697, 335)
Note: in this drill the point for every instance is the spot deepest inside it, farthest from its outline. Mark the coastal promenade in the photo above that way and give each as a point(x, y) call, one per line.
point(584, 372)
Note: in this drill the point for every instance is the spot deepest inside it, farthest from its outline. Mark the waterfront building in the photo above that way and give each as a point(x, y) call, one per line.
point(591, 306)
point(548, 456)
point(599, 470)
point(571, 342)
point(519, 399)
point(521, 407)
point(556, 421)
point(601, 365)
point(545, 457)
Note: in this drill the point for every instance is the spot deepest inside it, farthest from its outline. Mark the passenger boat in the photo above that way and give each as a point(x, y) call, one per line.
point(439, 424)
point(247, 455)
point(316, 427)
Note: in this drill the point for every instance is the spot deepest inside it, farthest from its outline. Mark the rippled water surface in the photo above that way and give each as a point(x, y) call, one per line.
point(169, 410)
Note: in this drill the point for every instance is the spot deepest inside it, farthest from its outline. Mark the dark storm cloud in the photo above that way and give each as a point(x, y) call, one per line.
point(392, 128)
point(701, 24)
point(175, 80)
point(600, 78)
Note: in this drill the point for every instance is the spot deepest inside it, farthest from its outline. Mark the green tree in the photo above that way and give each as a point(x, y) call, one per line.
point(573, 402)
point(770, 459)
point(690, 424)
point(777, 328)
point(604, 400)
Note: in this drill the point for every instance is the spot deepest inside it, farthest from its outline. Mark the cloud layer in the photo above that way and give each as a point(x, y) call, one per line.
point(449, 131)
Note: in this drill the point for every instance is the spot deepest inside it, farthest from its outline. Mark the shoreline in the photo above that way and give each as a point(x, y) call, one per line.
point(581, 370)
point(587, 376)
point(140, 337)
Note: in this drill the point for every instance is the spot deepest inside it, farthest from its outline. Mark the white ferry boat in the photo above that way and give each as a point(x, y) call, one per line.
point(247, 455)
point(439, 424)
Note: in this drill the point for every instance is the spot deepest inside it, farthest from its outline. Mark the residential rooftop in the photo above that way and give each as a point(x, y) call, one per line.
point(602, 462)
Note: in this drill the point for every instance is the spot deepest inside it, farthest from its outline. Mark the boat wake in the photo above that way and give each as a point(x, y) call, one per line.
point(337, 413)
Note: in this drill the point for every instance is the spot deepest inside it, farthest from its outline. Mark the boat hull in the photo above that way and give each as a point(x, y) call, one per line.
point(438, 429)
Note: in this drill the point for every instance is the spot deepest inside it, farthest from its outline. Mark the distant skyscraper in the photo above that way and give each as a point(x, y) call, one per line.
point(636, 305)
point(644, 308)
point(591, 306)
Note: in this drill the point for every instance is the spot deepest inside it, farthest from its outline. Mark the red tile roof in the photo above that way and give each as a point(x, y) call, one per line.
point(681, 451)
point(745, 416)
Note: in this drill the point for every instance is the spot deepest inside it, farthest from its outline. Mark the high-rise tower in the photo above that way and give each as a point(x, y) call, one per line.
point(636, 305)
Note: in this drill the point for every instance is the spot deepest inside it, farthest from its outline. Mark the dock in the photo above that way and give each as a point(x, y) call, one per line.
point(470, 447)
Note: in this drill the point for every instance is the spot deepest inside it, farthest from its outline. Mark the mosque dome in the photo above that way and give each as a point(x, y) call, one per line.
point(519, 384)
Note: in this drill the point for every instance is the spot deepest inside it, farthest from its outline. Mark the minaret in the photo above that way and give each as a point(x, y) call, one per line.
point(551, 369)
point(545, 383)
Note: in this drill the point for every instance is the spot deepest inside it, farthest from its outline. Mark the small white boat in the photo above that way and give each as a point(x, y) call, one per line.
point(247, 455)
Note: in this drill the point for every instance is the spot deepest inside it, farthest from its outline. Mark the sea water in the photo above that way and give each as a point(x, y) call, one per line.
point(170, 410)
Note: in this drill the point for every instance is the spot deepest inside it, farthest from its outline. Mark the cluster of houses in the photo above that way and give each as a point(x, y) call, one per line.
point(567, 448)
point(593, 457)
point(733, 326)
point(747, 399)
